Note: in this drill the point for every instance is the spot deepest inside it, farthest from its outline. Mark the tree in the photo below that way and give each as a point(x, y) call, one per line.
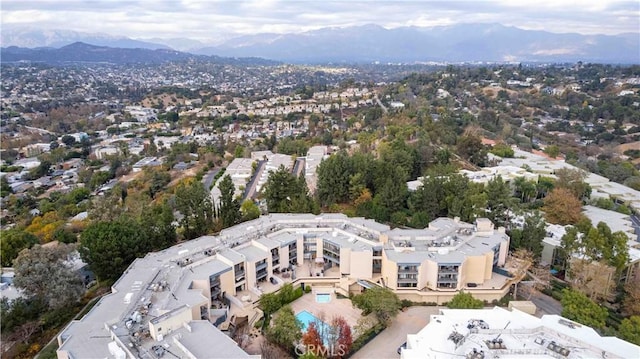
point(157, 223)
point(499, 201)
point(312, 339)
point(229, 212)
point(334, 176)
point(270, 302)
point(110, 247)
point(471, 149)
point(464, 300)
point(631, 301)
point(285, 193)
point(344, 336)
point(68, 140)
point(286, 329)
point(46, 273)
point(531, 235)
point(249, 210)
point(595, 279)
point(381, 301)
point(12, 242)
point(5, 188)
point(576, 306)
point(552, 151)
point(573, 180)
point(630, 329)
point(194, 203)
point(561, 206)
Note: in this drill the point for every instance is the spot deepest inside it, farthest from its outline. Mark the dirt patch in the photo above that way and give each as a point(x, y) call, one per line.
point(627, 146)
point(167, 100)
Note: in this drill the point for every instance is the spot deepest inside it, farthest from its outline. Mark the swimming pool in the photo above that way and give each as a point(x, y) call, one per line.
point(305, 318)
point(323, 298)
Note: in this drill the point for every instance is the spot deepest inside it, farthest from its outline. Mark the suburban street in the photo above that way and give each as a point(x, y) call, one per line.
point(207, 180)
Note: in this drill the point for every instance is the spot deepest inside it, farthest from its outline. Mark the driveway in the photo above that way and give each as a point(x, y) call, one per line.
point(386, 344)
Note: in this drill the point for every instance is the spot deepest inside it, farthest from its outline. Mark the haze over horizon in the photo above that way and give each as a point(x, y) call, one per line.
point(209, 21)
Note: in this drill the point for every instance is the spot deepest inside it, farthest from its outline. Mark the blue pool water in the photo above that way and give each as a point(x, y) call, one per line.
point(323, 298)
point(305, 318)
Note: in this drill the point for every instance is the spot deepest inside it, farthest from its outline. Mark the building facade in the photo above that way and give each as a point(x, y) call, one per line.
point(169, 297)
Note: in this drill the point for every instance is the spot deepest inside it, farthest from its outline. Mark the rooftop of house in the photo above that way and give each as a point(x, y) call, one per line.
point(480, 333)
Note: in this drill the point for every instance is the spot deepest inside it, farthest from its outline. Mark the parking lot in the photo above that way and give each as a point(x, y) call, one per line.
point(386, 344)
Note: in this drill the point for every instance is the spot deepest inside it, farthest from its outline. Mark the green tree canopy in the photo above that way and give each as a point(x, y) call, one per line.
point(531, 235)
point(464, 300)
point(630, 329)
point(46, 273)
point(286, 330)
point(194, 203)
point(12, 242)
point(285, 193)
point(381, 301)
point(229, 211)
point(110, 247)
point(576, 306)
point(471, 149)
point(249, 210)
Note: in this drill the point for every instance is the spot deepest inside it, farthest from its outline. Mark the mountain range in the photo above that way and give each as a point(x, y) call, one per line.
point(87, 53)
point(369, 43)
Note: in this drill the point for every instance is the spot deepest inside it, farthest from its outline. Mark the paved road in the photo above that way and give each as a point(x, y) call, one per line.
point(298, 167)
point(545, 303)
point(250, 189)
point(384, 109)
point(386, 344)
point(207, 180)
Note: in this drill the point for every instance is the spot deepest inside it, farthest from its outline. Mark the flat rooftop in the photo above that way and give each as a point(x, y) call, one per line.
point(459, 333)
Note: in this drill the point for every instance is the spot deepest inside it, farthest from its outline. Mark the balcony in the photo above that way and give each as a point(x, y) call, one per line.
point(411, 270)
point(261, 274)
point(261, 265)
point(239, 276)
point(448, 271)
point(448, 280)
point(407, 280)
point(215, 292)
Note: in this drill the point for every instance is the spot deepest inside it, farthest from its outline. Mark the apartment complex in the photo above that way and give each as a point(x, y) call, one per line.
point(166, 299)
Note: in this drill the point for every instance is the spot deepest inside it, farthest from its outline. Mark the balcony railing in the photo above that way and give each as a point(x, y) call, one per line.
point(261, 274)
point(408, 270)
point(407, 280)
point(448, 271)
point(260, 266)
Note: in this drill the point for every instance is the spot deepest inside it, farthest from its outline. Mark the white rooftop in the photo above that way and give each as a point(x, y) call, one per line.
point(457, 333)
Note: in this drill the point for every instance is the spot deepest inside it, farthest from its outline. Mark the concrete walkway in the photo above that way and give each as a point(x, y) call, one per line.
point(386, 344)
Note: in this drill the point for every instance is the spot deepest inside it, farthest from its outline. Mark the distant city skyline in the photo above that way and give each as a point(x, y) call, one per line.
point(212, 20)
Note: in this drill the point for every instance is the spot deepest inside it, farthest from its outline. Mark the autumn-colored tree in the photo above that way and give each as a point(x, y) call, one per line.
point(595, 279)
point(312, 339)
point(631, 301)
point(345, 338)
point(561, 206)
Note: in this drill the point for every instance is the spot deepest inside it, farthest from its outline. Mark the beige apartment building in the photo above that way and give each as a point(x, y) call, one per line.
point(188, 291)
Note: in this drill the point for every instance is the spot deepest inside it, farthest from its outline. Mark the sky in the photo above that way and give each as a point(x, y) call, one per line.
point(210, 19)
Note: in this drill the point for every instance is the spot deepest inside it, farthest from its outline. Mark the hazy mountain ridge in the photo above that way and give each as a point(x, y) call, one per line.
point(464, 42)
point(81, 52)
point(368, 43)
point(32, 38)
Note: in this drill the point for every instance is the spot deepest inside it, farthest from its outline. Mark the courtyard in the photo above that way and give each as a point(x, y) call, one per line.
point(327, 311)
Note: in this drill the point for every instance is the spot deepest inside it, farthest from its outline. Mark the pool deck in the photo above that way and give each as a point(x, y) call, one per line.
point(326, 311)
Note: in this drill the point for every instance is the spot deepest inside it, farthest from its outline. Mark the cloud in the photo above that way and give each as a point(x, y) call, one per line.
point(204, 19)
